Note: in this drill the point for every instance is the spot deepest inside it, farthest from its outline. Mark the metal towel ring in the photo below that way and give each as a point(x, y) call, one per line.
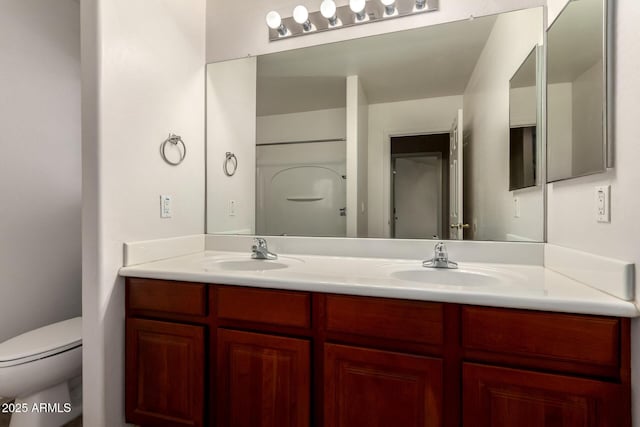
point(175, 140)
point(230, 158)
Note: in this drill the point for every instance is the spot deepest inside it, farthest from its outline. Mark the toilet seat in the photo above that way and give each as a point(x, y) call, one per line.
point(41, 343)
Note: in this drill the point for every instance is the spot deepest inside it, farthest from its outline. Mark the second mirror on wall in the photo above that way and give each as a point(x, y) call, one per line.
point(413, 134)
point(577, 113)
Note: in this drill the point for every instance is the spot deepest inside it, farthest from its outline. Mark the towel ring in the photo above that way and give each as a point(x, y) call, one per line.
point(230, 158)
point(175, 140)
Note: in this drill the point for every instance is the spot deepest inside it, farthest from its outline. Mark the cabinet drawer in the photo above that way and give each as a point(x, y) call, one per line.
point(167, 296)
point(575, 339)
point(399, 320)
point(281, 308)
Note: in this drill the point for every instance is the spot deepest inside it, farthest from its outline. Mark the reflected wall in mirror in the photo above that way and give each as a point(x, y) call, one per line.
point(576, 91)
point(523, 124)
point(402, 135)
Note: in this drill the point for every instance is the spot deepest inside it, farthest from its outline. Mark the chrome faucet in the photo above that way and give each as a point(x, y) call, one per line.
point(440, 258)
point(260, 250)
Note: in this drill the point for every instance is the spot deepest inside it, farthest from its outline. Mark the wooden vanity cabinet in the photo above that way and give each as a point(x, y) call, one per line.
point(166, 353)
point(165, 371)
point(383, 361)
point(368, 387)
point(263, 380)
point(537, 369)
point(263, 373)
point(230, 356)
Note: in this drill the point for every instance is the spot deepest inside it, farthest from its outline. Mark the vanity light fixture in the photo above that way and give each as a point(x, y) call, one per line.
point(301, 16)
point(274, 21)
point(330, 16)
point(389, 7)
point(358, 7)
point(328, 10)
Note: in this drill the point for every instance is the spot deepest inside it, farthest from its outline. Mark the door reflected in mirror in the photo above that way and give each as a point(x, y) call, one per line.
point(403, 135)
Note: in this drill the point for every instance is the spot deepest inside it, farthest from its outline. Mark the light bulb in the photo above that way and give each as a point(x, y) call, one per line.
point(357, 7)
point(274, 21)
point(301, 16)
point(328, 10)
point(389, 7)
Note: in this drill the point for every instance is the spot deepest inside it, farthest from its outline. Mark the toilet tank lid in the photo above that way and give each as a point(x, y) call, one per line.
point(48, 339)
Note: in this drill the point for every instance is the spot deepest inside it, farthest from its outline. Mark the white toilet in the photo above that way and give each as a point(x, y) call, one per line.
point(35, 369)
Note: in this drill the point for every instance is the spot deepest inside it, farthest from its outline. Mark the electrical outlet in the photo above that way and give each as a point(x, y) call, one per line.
point(516, 207)
point(603, 203)
point(233, 207)
point(166, 208)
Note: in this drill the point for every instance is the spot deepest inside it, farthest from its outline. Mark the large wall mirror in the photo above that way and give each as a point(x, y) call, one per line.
point(405, 135)
point(577, 64)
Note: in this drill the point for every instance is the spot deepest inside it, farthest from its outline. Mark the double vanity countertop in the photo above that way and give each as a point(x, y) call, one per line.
point(497, 285)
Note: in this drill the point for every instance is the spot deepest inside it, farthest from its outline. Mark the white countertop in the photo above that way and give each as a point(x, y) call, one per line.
point(521, 286)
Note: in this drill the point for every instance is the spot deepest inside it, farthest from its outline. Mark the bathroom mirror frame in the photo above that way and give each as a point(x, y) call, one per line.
point(607, 95)
point(540, 125)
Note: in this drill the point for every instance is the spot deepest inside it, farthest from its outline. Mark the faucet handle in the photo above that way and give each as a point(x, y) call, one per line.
point(260, 242)
point(440, 247)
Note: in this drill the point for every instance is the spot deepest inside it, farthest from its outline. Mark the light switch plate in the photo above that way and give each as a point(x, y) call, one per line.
point(516, 207)
point(603, 203)
point(166, 208)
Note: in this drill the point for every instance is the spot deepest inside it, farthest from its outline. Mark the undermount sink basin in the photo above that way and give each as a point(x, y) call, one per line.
point(449, 277)
point(249, 264)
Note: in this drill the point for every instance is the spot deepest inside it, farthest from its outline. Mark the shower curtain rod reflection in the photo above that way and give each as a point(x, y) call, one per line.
point(310, 141)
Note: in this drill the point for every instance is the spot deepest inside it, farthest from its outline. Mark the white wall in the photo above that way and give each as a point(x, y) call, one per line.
point(523, 106)
point(237, 28)
point(231, 127)
point(143, 76)
point(486, 117)
point(40, 164)
point(587, 127)
point(571, 217)
point(357, 147)
point(304, 126)
point(559, 130)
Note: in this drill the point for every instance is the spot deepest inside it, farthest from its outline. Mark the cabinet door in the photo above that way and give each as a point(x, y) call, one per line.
point(165, 373)
point(263, 380)
point(501, 397)
point(373, 388)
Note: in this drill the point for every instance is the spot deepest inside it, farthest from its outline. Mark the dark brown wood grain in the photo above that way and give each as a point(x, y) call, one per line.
point(374, 388)
point(221, 355)
point(570, 342)
point(265, 306)
point(167, 296)
point(165, 373)
point(452, 364)
point(384, 318)
point(501, 397)
point(263, 380)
